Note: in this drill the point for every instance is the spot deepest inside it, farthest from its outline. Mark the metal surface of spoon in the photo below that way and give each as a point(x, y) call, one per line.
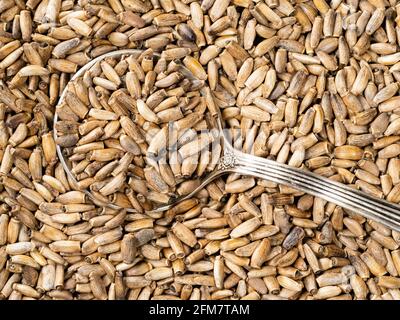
point(236, 161)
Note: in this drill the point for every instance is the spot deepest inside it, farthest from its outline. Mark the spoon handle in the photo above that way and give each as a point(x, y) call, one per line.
point(342, 195)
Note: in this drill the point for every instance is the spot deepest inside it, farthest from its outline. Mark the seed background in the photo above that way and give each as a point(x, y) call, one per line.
point(316, 74)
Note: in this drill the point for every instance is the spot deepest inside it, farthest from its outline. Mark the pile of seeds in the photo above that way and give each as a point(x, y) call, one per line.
point(308, 83)
point(159, 149)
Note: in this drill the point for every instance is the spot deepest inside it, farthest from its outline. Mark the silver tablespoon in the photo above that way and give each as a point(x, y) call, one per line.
point(236, 161)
